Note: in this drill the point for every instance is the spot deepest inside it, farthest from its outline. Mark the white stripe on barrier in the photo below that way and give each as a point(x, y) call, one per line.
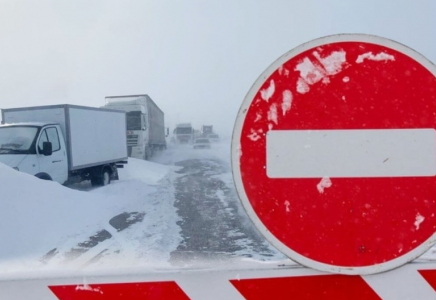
point(402, 283)
point(351, 153)
point(211, 289)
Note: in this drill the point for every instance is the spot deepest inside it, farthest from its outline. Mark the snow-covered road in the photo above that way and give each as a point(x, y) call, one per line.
point(180, 210)
point(213, 223)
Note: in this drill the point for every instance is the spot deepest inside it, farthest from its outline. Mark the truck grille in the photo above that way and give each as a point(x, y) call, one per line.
point(132, 140)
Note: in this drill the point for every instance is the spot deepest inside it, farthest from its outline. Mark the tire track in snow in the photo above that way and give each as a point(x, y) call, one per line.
point(212, 223)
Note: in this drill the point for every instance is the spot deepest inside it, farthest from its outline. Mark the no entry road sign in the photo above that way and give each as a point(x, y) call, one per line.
point(334, 154)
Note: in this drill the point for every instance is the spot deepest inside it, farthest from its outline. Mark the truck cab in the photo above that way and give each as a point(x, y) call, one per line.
point(206, 130)
point(184, 133)
point(137, 126)
point(35, 148)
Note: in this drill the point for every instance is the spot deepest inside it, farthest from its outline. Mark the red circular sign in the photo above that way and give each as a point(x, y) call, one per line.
point(334, 156)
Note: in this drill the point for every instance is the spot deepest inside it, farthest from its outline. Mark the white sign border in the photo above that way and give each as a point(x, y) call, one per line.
point(236, 153)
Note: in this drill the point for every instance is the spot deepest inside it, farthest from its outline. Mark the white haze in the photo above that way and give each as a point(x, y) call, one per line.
point(196, 59)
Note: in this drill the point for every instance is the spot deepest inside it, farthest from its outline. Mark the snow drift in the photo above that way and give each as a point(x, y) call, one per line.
point(37, 216)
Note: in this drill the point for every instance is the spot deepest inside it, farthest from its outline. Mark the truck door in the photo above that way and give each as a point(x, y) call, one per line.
point(54, 165)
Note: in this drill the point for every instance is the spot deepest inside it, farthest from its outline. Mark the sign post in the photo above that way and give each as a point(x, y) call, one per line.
point(334, 154)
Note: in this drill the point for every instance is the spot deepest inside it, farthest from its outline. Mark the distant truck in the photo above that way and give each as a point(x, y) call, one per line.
point(64, 143)
point(184, 133)
point(145, 124)
point(197, 134)
point(206, 130)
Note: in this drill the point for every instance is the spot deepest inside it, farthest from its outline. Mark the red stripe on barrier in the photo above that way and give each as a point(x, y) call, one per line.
point(331, 287)
point(429, 276)
point(120, 291)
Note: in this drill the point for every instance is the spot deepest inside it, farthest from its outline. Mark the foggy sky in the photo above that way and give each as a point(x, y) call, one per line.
point(196, 58)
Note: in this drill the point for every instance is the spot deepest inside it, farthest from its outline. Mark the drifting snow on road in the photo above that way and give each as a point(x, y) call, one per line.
point(213, 225)
point(141, 234)
point(131, 222)
point(177, 211)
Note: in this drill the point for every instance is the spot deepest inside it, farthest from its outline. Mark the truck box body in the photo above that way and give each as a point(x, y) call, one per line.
point(93, 136)
point(156, 123)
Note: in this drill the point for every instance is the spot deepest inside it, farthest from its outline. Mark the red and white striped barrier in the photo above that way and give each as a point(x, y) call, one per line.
point(413, 281)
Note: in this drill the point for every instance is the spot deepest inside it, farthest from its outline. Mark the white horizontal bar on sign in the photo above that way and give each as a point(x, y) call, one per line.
point(351, 153)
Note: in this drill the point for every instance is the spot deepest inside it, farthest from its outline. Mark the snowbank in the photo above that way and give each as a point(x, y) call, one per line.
point(35, 213)
point(142, 170)
point(37, 216)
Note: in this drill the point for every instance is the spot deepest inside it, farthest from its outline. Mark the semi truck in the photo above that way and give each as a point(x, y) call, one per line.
point(145, 124)
point(206, 130)
point(64, 143)
point(184, 133)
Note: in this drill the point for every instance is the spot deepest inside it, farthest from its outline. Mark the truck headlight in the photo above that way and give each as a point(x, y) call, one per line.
point(16, 168)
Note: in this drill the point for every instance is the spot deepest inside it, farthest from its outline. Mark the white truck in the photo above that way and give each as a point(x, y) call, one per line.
point(64, 143)
point(145, 124)
point(184, 133)
point(206, 130)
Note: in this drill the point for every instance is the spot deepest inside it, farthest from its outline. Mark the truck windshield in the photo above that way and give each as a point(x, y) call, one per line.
point(134, 120)
point(16, 139)
point(202, 141)
point(183, 130)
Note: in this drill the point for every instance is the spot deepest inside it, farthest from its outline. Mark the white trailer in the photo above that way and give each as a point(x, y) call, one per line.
point(145, 124)
point(64, 142)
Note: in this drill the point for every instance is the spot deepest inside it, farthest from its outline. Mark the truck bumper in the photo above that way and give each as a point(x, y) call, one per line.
point(137, 152)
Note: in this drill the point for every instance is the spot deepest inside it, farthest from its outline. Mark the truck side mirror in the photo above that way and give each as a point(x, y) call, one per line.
point(168, 131)
point(47, 149)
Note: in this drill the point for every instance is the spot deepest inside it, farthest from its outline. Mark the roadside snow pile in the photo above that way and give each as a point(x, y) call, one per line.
point(38, 217)
point(142, 170)
point(35, 214)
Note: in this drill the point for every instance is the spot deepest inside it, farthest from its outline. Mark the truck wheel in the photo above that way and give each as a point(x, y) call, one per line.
point(106, 177)
point(43, 176)
point(102, 179)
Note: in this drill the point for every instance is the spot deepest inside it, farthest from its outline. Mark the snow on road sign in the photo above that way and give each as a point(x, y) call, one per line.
point(334, 154)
